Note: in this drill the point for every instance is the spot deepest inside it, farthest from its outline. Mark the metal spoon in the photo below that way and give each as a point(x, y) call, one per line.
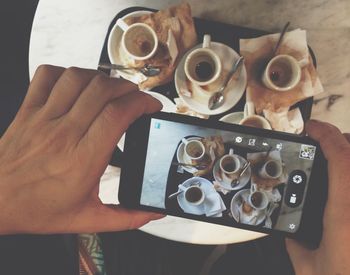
point(198, 166)
point(280, 38)
point(147, 70)
point(217, 99)
point(236, 181)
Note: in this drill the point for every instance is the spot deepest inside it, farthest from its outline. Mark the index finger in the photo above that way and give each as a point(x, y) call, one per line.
point(106, 130)
point(332, 141)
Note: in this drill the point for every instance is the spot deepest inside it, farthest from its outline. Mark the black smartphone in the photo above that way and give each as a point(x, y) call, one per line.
point(227, 174)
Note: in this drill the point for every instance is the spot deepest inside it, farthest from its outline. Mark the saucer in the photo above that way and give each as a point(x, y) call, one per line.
point(188, 208)
point(233, 91)
point(255, 218)
point(181, 157)
point(116, 54)
point(244, 179)
point(233, 118)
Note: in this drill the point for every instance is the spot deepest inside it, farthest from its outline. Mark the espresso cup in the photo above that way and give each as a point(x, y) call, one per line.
point(229, 164)
point(193, 194)
point(282, 73)
point(194, 149)
point(272, 169)
point(257, 199)
point(252, 120)
point(139, 40)
point(203, 65)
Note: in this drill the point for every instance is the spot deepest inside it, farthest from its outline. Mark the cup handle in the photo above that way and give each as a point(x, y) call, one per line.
point(206, 41)
point(184, 141)
point(121, 23)
point(302, 63)
point(249, 109)
point(230, 152)
point(181, 187)
point(253, 188)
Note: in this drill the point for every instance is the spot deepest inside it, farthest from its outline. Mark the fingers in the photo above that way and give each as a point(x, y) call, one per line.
point(44, 79)
point(347, 136)
point(103, 218)
point(67, 90)
point(332, 141)
point(112, 122)
point(97, 94)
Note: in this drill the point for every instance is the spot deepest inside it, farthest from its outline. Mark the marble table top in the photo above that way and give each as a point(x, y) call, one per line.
point(71, 33)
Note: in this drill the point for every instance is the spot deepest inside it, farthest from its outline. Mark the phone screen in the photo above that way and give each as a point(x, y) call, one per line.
point(219, 174)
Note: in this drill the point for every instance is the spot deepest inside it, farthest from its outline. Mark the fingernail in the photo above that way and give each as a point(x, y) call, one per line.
point(157, 216)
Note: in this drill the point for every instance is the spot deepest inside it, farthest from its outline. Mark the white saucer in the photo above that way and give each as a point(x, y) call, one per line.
point(181, 157)
point(115, 52)
point(233, 118)
point(244, 179)
point(234, 90)
point(255, 218)
point(168, 107)
point(188, 208)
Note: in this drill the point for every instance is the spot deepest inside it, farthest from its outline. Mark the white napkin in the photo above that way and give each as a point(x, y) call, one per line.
point(213, 205)
point(219, 188)
point(285, 120)
point(275, 105)
point(182, 108)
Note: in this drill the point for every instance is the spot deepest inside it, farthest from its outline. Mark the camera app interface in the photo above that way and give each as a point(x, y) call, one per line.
point(220, 174)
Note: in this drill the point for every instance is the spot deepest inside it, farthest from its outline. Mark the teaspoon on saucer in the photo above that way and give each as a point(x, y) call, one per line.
point(147, 70)
point(218, 98)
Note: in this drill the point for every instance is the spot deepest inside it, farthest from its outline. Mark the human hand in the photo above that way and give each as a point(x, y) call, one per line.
point(55, 151)
point(332, 256)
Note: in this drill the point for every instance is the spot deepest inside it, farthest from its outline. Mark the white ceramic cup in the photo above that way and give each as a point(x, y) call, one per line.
point(193, 194)
point(283, 73)
point(139, 40)
point(257, 199)
point(253, 120)
point(194, 149)
point(272, 169)
point(229, 164)
point(201, 56)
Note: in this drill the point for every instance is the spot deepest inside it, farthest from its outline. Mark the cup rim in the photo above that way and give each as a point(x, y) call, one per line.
point(279, 165)
point(199, 201)
point(264, 195)
point(154, 35)
point(218, 63)
point(232, 157)
point(265, 121)
point(293, 84)
point(202, 145)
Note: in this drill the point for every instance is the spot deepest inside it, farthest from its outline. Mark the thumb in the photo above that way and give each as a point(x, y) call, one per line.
point(299, 255)
point(332, 141)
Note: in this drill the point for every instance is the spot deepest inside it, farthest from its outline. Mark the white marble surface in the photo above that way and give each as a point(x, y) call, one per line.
point(71, 33)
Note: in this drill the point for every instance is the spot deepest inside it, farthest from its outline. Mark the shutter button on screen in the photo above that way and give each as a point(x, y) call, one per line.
point(295, 188)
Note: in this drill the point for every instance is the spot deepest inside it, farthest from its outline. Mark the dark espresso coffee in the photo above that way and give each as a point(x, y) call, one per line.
point(204, 70)
point(229, 166)
point(256, 199)
point(271, 169)
point(280, 74)
point(193, 194)
point(253, 122)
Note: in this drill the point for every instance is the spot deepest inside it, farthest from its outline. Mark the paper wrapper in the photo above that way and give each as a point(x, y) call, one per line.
point(257, 160)
point(179, 20)
point(214, 149)
point(257, 52)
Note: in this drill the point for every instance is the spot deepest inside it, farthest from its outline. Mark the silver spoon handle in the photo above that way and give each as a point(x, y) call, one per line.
point(234, 68)
point(280, 38)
